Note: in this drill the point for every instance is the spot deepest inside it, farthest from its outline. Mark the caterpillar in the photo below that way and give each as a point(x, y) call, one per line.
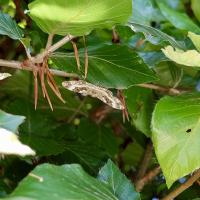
point(87, 89)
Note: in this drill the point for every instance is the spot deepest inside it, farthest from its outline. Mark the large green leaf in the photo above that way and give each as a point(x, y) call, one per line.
point(178, 19)
point(10, 122)
point(9, 27)
point(111, 66)
point(176, 133)
point(155, 36)
point(78, 17)
point(121, 186)
point(140, 106)
point(67, 182)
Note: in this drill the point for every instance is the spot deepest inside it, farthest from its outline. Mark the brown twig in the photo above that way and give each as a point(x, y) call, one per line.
point(49, 41)
point(76, 54)
point(147, 178)
point(183, 187)
point(76, 111)
point(99, 114)
point(121, 97)
point(39, 58)
point(115, 36)
point(19, 11)
point(145, 162)
point(86, 57)
point(171, 91)
point(19, 65)
point(24, 66)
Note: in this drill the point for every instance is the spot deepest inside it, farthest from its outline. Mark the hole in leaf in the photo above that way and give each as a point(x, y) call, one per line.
point(189, 130)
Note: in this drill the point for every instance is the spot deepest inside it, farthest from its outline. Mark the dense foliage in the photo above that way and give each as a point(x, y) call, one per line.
point(99, 100)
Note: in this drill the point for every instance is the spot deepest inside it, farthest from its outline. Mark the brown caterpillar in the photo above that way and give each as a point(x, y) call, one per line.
point(88, 89)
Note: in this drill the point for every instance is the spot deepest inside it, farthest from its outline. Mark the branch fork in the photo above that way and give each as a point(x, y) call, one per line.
point(39, 66)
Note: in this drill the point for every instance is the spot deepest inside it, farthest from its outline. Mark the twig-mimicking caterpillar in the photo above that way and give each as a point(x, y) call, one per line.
point(88, 89)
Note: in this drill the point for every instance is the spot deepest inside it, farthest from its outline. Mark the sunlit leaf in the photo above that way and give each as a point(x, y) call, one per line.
point(4, 76)
point(188, 58)
point(176, 132)
point(10, 145)
point(195, 39)
point(78, 17)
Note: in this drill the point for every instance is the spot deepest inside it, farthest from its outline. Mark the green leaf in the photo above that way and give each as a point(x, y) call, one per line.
point(133, 154)
point(195, 39)
point(23, 90)
point(155, 36)
point(187, 58)
point(9, 27)
point(78, 17)
point(110, 66)
point(152, 58)
point(140, 107)
point(10, 122)
point(196, 8)
point(101, 136)
point(65, 182)
point(121, 186)
point(170, 75)
point(178, 19)
point(176, 132)
point(89, 156)
point(145, 11)
point(38, 131)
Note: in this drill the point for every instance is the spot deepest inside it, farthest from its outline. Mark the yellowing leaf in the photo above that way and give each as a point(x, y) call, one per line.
point(10, 145)
point(188, 58)
point(195, 39)
point(4, 75)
